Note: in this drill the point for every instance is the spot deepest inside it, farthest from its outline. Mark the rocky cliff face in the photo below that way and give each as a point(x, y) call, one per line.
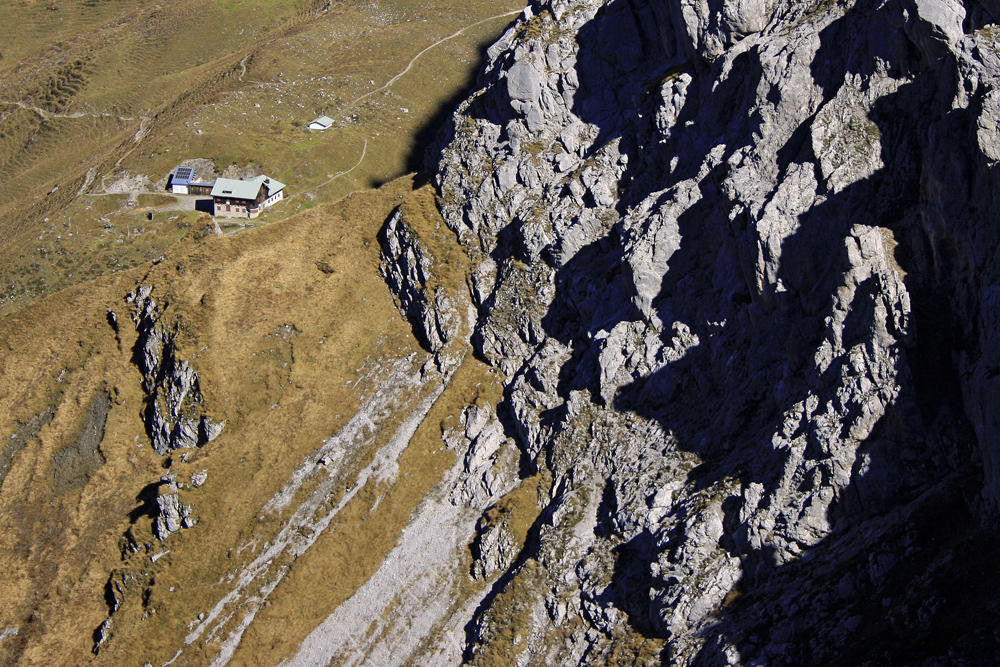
point(737, 263)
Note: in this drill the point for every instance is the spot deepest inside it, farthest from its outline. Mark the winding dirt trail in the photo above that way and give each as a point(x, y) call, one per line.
point(409, 65)
point(46, 115)
point(364, 152)
point(353, 103)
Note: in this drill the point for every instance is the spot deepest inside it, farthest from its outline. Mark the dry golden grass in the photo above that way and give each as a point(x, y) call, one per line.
point(352, 549)
point(275, 340)
point(232, 295)
point(281, 396)
point(59, 354)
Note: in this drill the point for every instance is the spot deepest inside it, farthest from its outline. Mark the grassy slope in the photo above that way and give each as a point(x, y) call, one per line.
point(280, 397)
point(231, 81)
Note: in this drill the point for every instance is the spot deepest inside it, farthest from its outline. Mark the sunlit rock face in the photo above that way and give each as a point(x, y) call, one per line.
point(736, 260)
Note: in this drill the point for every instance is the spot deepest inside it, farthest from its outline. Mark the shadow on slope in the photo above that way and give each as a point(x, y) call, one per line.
point(899, 594)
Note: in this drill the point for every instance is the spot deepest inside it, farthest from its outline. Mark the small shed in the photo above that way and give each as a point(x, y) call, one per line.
point(321, 123)
point(181, 180)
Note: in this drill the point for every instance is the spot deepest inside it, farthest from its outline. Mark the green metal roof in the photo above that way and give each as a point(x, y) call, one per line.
point(248, 189)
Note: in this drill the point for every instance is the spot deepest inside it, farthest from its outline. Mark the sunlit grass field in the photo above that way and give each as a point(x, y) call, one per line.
point(98, 91)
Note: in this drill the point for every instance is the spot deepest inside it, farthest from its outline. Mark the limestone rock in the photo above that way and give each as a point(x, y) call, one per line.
point(735, 261)
point(406, 266)
point(198, 478)
point(524, 82)
point(171, 513)
point(493, 551)
point(491, 459)
point(175, 416)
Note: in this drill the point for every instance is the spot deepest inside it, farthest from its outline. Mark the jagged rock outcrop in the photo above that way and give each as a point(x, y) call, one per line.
point(491, 459)
point(199, 478)
point(123, 586)
point(175, 416)
point(494, 549)
point(406, 266)
point(736, 262)
point(171, 514)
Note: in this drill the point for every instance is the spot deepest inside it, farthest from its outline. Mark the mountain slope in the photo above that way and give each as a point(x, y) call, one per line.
point(686, 357)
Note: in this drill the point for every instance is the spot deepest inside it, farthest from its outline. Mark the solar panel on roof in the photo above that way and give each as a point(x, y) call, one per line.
point(183, 174)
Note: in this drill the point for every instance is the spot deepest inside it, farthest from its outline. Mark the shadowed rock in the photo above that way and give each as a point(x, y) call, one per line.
point(736, 261)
